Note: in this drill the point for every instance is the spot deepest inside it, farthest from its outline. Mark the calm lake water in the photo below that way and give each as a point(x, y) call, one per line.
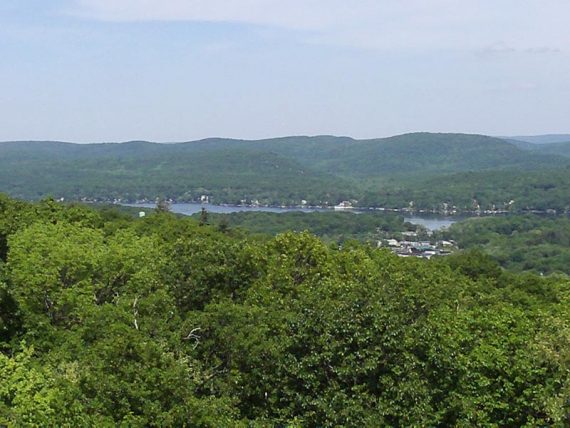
point(429, 221)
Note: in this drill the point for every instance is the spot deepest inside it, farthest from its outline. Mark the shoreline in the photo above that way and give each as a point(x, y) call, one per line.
point(355, 209)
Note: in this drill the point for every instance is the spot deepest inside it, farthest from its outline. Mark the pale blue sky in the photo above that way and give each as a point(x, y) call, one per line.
point(175, 70)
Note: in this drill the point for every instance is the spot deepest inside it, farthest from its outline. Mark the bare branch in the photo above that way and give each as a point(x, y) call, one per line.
point(136, 312)
point(192, 335)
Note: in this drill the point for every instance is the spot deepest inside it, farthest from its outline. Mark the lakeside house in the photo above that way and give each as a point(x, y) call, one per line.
point(344, 205)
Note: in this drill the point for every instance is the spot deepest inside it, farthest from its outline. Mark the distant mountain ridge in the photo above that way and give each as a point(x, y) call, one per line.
point(542, 139)
point(286, 170)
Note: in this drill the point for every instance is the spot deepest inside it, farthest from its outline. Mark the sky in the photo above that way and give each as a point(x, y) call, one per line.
point(179, 70)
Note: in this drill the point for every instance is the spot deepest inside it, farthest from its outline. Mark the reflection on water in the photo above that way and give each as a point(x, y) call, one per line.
point(193, 208)
point(430, 222)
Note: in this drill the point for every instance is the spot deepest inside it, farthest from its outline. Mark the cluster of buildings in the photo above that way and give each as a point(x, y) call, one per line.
point(422, 249)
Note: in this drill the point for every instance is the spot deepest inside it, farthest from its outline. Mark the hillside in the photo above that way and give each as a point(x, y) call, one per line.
point(558, 149)
point(416, 153)
point(433, 154)
point(145, 171)
point(541, 190)
point(320, 170)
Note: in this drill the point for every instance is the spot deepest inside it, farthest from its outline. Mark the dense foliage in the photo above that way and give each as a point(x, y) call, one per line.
point(329, 226)
point(109, 320)
point(519, 243)
point(511, 191)
point(146, 171)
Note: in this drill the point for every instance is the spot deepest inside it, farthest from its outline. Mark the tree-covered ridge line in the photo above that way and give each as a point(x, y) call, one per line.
point(110, 320)
point(330, 226)
point(508, 191)
point(317, 171)
point(518, 243)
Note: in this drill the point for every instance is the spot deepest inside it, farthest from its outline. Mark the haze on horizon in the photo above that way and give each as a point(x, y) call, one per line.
point(178, 70)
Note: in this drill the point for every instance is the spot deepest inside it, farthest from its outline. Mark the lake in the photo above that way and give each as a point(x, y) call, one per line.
point(432, 222)
point(429, 221)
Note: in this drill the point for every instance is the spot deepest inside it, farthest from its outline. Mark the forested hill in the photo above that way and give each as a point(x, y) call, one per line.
point(125, 172)
point(321, 170)
point(422, 152)
point(417, 152)
point(425, 153)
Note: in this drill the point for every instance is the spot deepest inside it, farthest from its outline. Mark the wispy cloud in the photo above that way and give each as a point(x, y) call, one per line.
point(503, 49)
point(294, 14)
point(542, 50)
point(532, 26)
point(499, 48)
